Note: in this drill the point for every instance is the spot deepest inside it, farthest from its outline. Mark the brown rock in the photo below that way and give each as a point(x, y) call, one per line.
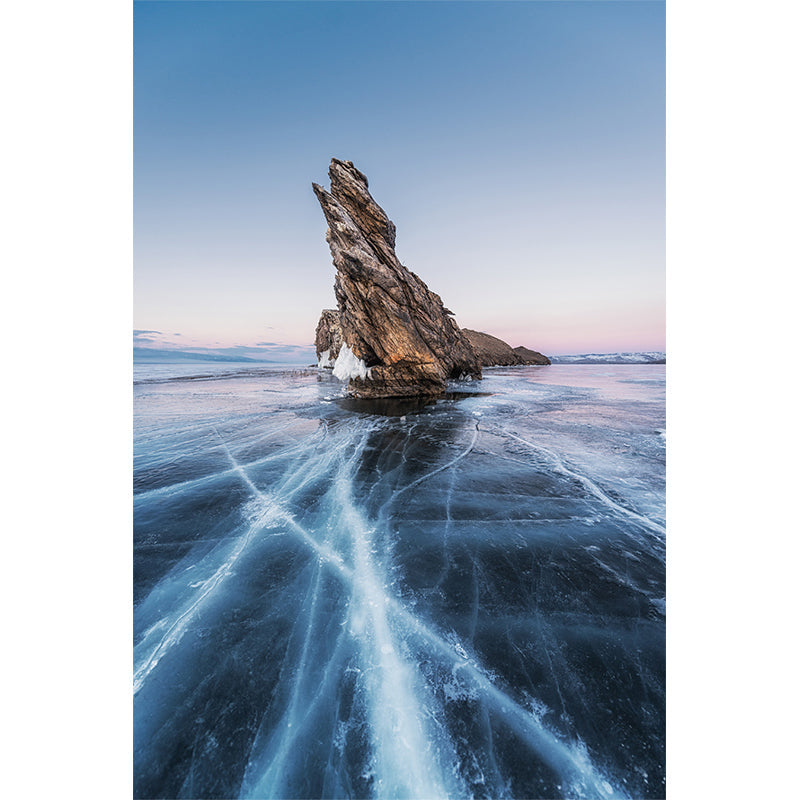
point(490, 350)
point(494, 352)
point(389, 318)
point(329, 337)
point(531, 356)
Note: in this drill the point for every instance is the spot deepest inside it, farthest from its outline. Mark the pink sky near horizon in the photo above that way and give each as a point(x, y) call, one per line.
point(571, 303)
point(625, 330)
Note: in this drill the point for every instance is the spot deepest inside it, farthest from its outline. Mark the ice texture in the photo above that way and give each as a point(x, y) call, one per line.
point(343, 598)
point(349, 365)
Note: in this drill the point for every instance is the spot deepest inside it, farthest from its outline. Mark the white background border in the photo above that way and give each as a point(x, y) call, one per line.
point(732, 257)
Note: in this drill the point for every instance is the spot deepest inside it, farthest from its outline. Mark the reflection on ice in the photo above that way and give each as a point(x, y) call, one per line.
point(463, 599)
point(400, 406)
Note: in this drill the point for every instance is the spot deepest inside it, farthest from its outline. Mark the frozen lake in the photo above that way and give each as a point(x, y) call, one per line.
point(335, 599)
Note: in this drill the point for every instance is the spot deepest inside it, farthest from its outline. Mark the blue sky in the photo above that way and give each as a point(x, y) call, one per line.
point(518, 147)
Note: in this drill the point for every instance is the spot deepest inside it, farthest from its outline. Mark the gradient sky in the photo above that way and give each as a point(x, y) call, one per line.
point(518, 147)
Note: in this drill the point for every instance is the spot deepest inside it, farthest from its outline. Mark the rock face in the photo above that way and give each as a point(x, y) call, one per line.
point(531, 356)
point(329, 337)
point(398, 339)
point(490, 350)
point(495, 352)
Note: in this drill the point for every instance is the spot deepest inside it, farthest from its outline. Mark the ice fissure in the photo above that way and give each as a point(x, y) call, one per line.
point(367, 611)
point(402, 743)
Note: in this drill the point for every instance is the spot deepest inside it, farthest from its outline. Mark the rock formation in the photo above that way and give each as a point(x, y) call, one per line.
point(492, 351)
point(398, 339)
point(531, 356)
point(329, 337)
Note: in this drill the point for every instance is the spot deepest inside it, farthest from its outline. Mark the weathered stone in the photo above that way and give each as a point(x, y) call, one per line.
point(490, 350)
point(531, 356)
point(389, 319)
point(329, 337)
point(494, 352)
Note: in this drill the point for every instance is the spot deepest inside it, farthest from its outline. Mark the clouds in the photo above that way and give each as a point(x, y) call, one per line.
point(163, 345)
point(272, 351)
point(146, 337)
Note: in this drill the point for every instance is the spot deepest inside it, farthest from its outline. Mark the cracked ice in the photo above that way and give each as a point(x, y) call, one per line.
point(464, 599)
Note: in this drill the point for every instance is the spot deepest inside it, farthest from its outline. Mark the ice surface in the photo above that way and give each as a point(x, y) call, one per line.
point(348, 365)
point(455, 599)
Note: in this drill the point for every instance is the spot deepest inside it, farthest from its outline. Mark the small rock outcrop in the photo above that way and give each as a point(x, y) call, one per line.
point(494, 352)
point(490, 350)
point(531, 356)
point(397, 338)
point(329, 337)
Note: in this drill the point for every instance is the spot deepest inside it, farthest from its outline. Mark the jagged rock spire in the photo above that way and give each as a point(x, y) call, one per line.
point(389, 318)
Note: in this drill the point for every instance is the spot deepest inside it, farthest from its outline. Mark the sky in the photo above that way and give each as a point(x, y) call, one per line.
point(517, 146)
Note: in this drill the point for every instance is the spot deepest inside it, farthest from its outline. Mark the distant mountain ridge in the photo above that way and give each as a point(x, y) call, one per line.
point(651, 357)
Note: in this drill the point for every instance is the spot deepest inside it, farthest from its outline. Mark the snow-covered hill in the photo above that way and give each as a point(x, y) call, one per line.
point(612, 358)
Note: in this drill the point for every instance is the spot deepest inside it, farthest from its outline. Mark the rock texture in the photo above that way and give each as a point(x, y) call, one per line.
point(531, 356)
point(329, 337)
point(492, 351)
point(389, 319)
